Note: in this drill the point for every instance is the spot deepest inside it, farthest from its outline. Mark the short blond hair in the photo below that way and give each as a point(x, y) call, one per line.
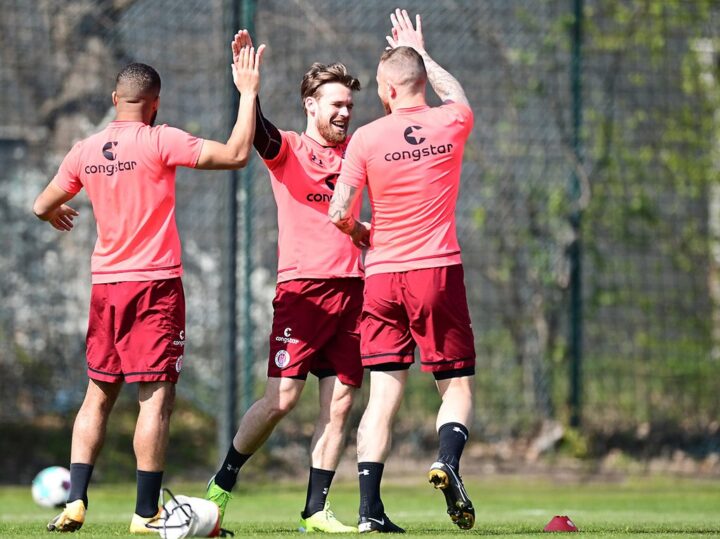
point(406, 67)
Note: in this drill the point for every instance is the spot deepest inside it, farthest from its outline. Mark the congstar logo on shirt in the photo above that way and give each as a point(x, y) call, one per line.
point(329, 182)
point(410, 138)
point(109, 153)
point(413, 136)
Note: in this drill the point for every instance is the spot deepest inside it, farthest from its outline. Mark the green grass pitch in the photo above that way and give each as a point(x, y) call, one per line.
point(506, 507)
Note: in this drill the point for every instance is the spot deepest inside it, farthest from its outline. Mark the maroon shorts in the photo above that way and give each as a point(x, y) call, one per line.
point(315, 329)
point(425, 306)
point(136, 331)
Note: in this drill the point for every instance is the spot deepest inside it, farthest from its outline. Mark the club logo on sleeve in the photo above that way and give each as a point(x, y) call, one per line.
point(410, 138)
point(282, 359)
point(107, 151)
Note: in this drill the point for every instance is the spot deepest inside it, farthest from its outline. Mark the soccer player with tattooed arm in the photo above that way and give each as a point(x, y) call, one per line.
point(136, 328)
point(414, 288)
point(318, 298)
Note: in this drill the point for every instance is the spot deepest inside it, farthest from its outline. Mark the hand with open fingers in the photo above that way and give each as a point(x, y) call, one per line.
point(246, 68)
point(240, 40)
point(403, 33)
point(62, 218)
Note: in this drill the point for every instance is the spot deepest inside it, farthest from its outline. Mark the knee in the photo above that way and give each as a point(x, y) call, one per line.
point(97, 404)
point(158, 398)
point(341, 406)
point(280, 407)
point(103, 406)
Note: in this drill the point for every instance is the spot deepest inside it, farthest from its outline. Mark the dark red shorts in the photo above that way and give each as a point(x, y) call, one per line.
point(425, 306)
point(316, 329)
point(136, 331)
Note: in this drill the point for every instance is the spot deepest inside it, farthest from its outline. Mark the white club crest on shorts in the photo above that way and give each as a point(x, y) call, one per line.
point(282, 358)
point(179, 364)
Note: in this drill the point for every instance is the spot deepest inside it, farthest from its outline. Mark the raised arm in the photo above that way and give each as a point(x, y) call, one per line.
point(403, 34)
point(235, 153)
point(267, 139)
point(341, 214)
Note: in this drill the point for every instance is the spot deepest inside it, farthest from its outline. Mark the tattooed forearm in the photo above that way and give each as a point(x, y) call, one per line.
point(345, 224)
point(445, 85)
point(341, 206)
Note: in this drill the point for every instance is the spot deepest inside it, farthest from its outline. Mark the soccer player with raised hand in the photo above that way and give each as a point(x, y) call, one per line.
point(411, 160)
point(136, 328)
point(318, 296)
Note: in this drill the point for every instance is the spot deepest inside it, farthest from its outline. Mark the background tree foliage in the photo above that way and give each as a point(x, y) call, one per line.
point(649, 200)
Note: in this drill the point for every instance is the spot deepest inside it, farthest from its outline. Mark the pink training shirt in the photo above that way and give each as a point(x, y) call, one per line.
point(411, 161)
point(303, 177)
point(128, 171)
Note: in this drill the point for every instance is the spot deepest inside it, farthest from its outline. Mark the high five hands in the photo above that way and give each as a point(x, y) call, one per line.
point(403, 33)
point(246, 62)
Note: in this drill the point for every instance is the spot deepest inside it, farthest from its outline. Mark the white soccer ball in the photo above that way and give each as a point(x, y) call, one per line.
point(51, 486)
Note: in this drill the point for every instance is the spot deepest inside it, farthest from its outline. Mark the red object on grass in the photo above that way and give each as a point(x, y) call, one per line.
point(560, 523)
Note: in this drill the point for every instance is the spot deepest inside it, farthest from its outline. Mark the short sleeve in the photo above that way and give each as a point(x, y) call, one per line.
point(178, 148)
point(463, 114)
point(354, 167)
point(277, 161)
point(67, 177)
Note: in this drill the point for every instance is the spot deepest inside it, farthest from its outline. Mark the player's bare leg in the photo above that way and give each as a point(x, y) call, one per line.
point(150, 442)
point(91, 422)
point(281, 396)
point(336, 401)
point(152, 430)
point(374, 439)
point(87, 441)
point(454, 417)
point(375, 429)
point(457, 396)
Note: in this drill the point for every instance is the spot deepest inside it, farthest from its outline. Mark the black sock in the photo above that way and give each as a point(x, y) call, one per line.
point(226, 477)
point(79, 481)
point(452, 442)
point(317, 491)
point(370, 475)
point(148, 493)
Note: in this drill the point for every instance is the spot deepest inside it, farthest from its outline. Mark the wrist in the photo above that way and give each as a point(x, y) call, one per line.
point(348, 225)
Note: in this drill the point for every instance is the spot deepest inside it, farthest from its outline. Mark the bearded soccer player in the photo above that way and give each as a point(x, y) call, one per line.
point(136, 329)
point(318, 296)
point(414, 291)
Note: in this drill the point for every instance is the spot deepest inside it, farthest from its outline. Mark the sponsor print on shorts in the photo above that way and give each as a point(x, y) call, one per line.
point(282, 359)
point(181, 339)
point(286, 337)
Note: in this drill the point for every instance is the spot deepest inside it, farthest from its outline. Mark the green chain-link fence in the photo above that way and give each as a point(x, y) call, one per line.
point(646, 193)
